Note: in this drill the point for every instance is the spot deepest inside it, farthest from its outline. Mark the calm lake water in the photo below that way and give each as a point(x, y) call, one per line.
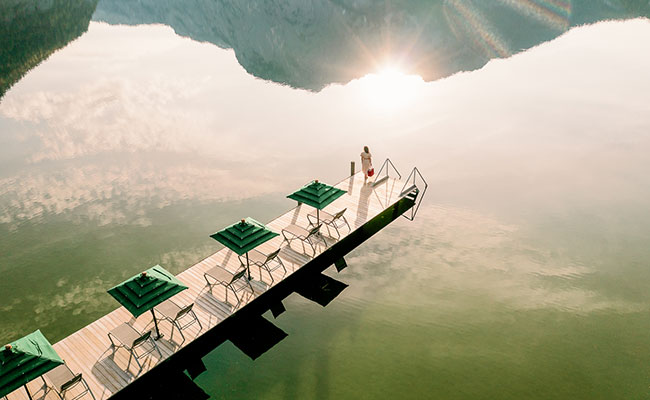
point(525, 274)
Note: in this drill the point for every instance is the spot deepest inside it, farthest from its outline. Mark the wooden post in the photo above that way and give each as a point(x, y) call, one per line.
point(352, 168)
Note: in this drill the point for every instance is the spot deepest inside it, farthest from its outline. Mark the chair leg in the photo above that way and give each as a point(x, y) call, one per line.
point(346, 222)
point(328, 230)
point(179, 331)
point(268, 270)
point(235, 293)
point(282, 264)
point(137, 362)
point(131, 355)
point(111, 339)
point(311, 223)
point(336, 229)
point(312, 246)
point(87, 389)
point(226, 287)
point(46, 389)
point(285, 239)
point(207, 281)
point(197, 320)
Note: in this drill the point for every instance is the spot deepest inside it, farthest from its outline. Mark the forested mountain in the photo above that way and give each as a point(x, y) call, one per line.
point(31, 30)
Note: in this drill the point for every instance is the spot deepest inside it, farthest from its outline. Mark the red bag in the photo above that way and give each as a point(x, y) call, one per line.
point(371, 172)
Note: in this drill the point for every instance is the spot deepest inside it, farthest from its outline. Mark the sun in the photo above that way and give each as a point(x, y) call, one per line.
point(390, 88)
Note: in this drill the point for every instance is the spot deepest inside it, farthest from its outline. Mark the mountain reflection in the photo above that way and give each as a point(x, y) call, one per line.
point(31, 30)
point(310, 44)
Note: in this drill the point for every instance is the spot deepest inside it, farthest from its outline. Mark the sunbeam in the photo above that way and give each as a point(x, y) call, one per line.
point(463, 14)
point(553, 13)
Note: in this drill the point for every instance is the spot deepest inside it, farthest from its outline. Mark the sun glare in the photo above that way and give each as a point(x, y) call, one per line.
point(390, 88)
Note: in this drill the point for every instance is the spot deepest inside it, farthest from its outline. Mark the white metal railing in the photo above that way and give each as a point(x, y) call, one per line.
point(384, 172)
point(414, 187)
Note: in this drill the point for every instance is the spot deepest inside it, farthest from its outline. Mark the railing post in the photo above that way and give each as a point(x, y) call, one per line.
point(352, 171)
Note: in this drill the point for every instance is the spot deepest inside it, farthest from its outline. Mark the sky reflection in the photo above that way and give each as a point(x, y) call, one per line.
point(131, 145)
point(166, 106)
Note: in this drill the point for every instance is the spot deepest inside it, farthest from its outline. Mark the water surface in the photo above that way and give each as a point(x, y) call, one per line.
point(525, 275)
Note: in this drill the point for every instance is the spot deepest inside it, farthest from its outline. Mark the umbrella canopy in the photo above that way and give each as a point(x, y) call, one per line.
point(146, 290)
point(24, 360)
point(317, 194)
point(244, 236)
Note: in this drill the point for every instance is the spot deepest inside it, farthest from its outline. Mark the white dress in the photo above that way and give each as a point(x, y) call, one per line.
point(366, 163)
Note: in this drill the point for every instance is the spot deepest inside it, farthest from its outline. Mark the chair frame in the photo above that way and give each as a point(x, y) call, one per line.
point(230, 284)
point(175, 320)
point(141, 340)
point(76, 379)
point(311, 233)
point(330, 220)
point(274, 256)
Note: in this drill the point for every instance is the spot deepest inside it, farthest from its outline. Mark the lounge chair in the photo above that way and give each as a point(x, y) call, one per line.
point(310, 236)
point(269, 262)
point(63, 379)
point(131, 339)
point(336, 221)
point(236, 282)
point(179, 317)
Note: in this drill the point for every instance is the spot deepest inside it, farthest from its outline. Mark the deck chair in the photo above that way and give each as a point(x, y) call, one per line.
point(236, 282)
point(128, 337)
point(336, 221)
point(309, 236)
point(269, 262)
point(179, 317)
point(63, 379)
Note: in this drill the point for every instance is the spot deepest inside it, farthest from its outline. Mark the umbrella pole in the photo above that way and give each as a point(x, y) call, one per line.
point(155, 322)
point(248, 267)
point(317, 216)
point(28, 394)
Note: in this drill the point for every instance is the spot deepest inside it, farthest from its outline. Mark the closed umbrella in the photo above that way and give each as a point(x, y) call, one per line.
point(244, 236)
point(318, 195)
point(25, 360)
point(146, 290)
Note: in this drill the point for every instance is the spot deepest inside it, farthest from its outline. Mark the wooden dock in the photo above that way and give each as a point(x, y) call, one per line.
point(108, 371)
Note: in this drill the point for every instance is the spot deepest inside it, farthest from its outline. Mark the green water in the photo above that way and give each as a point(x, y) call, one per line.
point(524, 275)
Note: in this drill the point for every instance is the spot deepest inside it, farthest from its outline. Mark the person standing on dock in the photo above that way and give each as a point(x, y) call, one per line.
point(366, 162)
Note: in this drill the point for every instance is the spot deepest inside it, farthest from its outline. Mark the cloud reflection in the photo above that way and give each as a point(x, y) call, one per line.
point(114, 114)
point(458, 259)
point(117, 193)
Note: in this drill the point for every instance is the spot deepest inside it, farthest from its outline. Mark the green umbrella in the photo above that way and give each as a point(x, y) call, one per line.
point(318, 195)
point(146, 290)
point(25, 360)
point(243, 236)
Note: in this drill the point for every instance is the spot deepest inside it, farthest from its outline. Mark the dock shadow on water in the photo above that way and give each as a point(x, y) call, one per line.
point(252, 335)
point(247, 329)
